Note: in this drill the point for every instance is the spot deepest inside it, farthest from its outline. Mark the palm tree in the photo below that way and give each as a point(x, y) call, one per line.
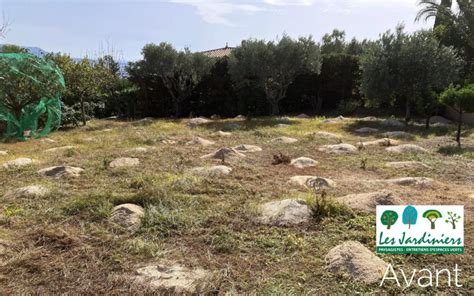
point(454, 27)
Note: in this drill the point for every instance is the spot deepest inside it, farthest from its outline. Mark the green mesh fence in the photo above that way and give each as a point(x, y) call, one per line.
point(30, 93)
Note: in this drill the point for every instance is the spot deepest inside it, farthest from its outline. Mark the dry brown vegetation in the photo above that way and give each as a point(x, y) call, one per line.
point(63, 243)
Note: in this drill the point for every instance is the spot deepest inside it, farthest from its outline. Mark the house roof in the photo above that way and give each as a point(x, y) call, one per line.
point(219, 52)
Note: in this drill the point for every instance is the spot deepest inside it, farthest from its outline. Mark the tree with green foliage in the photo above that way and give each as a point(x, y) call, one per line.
point(178, 71)
point(30, 95)
point(10, 48)
point(87, 82)
point(334, 42)
point(453, 26)
point(389, 218)
point(273, 66)
point(432, 216)
point(462, 99)
point(400, 68)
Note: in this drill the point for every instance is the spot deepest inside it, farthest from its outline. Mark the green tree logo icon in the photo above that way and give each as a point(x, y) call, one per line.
point(389, 218)
point(432, 216)
point(410, 215)
point(453, 218)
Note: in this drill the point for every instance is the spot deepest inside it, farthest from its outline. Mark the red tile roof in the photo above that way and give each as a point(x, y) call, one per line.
point(219, 52)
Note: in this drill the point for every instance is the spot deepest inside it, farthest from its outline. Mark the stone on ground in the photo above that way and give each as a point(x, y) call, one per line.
point(194, 122)
point(284, 140)
point(303, 162)
point(247, 148)
point(124, 162)
point(59, 149)
point(200, 141)
point(171, 280)
point(138, 150)
point(338, 149)
point(385, 142)
point(222, 134)
point(369, 118)
point(325, 135)
point(366, 202)
point(398, 135)
point(440, 120)
point(211, 172)
point(284, 212)
point(33, 191)
point(312, 181)
point(366, 130)
point(18, 163)
point(410, 181)
point(128, 216)
point(3, 152)
point(407, 148)
point(334, 120)
point(61, 171)
point(240, 117)
point(223, 154)
point(392, 122)
point(407, 165)
point(357, 261)
point(302, 116)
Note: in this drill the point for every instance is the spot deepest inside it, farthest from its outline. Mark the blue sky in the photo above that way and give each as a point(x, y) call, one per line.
point(90, 27)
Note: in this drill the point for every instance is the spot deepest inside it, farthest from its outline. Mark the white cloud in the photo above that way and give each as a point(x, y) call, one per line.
point(290, 2)
point(217, 11)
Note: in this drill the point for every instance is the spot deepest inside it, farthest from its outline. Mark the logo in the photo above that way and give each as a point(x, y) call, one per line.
point(420, 229)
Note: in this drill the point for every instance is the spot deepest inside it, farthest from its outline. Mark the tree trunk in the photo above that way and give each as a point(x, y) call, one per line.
point(454, 225)
point(275, 108)
point(83, 112)
point(432, 224)
point(458, 134)
point(389, 225)
point(407, 112)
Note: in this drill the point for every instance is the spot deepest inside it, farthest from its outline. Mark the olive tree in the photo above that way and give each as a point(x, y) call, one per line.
point(274, 65)
point(179, 71)
point(462, 99)
point(400, 68)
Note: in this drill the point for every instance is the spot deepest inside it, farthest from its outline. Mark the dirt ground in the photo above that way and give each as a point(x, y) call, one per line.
point(64, 244)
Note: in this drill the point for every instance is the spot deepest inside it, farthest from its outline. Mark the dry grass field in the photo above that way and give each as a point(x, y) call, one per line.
point(63, 242)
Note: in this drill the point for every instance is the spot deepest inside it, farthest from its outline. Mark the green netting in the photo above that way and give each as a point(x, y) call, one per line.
point(30, 93)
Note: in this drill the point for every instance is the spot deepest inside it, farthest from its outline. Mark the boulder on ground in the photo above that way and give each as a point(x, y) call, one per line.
point(312, 181)
point(302, 116)
point(338, 149)
point(223, 154)
point(325, 135)
point(284, 140)
point(194, 122)
point(61, 171)
point(211, 172)
point(170, 280)
point(410, 181)
point(215, 116)
point(3, 152)
point(33, 191)
point(398, 135)
point(128, 216)
point(138, 150)
point(240, 117)
point(366, 202)
point(366, 130)
point(369, 118)
point(407, 165)
point(200, 141)
point(222, 134)
point(440, 120)
point(284, 212)
point(303, 162)
point(338, 119)
point(18, 163)
point(385, 142)
point(407, 148)
point(392, 122)
point(59, 149)
point(357, 261)
point(124, 162)
point(247, 148)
